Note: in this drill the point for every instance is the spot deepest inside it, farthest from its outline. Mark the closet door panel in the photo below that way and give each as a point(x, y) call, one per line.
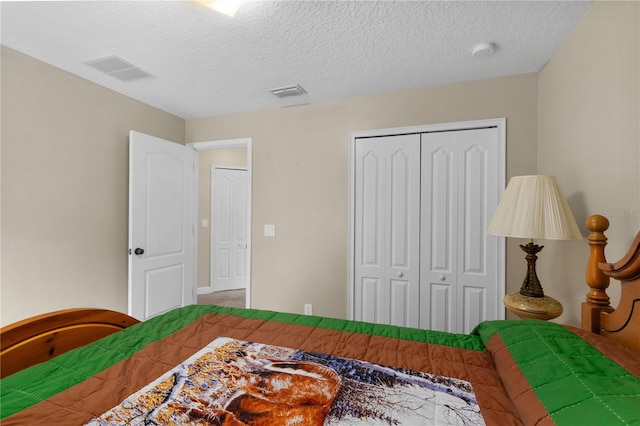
point(440, 208)
point(399, 209)
point(435, 306)
point(369, 298)
point(438, 231)
point(478, 196)
point(474, 300)
point(387, 245)
point(403, 238)
point(370, 211)
point(473, 205)
point(400, 303)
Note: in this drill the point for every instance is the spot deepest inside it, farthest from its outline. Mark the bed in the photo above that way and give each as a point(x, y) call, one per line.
point(208, 364)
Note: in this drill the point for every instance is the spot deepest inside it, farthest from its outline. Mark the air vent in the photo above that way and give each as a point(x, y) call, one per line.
point(285, 92)
point(118, 68)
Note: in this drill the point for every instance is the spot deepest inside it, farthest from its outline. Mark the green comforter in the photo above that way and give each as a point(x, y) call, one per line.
point(539, 363)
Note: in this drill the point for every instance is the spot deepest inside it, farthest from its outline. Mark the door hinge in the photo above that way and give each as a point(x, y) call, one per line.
point(129, 251)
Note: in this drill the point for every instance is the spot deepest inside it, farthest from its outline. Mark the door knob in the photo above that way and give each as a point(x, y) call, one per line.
point(442, 277)
point(400, 274)
point(138, 251)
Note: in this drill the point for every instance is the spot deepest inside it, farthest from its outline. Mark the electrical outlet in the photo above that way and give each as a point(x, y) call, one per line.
point(308, 309)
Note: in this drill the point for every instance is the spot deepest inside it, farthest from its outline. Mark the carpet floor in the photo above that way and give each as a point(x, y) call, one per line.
point(230, 298)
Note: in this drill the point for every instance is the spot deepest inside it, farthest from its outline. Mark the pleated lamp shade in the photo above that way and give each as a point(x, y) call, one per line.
point(534, 207)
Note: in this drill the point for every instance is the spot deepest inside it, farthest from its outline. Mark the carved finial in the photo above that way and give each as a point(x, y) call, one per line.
point(597, 223)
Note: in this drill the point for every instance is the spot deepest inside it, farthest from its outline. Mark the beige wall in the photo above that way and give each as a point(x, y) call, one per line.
point(65, 186)
point(64, 171)
point(589, 97)
point(214, 157)
point(301, 177)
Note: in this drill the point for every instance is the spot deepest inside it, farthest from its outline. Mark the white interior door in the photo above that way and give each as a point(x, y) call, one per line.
point(161, 234)
point(229, 228)
point(387, 240)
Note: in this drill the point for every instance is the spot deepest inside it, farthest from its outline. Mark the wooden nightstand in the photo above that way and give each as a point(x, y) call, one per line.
point(542, 308)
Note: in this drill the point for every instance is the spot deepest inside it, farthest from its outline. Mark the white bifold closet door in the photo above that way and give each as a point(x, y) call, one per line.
point(387, 232)
point(422, 257)
point(459, 268)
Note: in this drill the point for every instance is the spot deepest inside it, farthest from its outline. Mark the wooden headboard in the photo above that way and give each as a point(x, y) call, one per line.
point(43, 337)
point(598, 316)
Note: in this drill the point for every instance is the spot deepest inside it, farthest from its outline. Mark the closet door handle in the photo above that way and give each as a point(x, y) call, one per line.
point(442, 277)
point(400, 274)
point(139, 251)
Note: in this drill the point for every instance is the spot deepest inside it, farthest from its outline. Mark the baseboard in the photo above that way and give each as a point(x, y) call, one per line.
point(204, 290)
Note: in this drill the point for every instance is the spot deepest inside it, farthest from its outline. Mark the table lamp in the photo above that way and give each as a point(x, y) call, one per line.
point(533, 207)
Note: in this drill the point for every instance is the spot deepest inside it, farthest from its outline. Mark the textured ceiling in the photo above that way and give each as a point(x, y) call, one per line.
point(205, 63)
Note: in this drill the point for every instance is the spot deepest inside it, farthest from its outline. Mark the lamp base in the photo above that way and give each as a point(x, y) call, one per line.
point(542, 308)
point(531, 284)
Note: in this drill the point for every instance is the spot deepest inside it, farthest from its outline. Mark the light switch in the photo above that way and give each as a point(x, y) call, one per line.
point(269, 230)
point(205, 223)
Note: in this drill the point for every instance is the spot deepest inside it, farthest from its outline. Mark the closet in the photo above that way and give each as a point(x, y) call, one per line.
point(421, 200)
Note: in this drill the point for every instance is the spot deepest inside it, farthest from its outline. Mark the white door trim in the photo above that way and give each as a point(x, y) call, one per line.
point(499, 123)
point(223, 144)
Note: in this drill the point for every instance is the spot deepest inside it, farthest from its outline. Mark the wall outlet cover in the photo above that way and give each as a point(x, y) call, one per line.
point(269, 230)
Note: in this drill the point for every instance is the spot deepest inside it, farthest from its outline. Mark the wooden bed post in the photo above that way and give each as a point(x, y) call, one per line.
point(598, 281)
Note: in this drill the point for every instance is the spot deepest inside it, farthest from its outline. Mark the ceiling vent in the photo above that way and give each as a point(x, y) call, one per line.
point(118, 68)
point(285, 92)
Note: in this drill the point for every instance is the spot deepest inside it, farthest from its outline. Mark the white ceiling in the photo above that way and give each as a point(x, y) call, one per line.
point(205, 63)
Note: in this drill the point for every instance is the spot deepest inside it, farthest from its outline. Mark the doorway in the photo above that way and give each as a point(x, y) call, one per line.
point(230, 152)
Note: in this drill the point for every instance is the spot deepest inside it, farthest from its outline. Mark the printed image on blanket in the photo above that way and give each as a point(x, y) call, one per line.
point(233, 382)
